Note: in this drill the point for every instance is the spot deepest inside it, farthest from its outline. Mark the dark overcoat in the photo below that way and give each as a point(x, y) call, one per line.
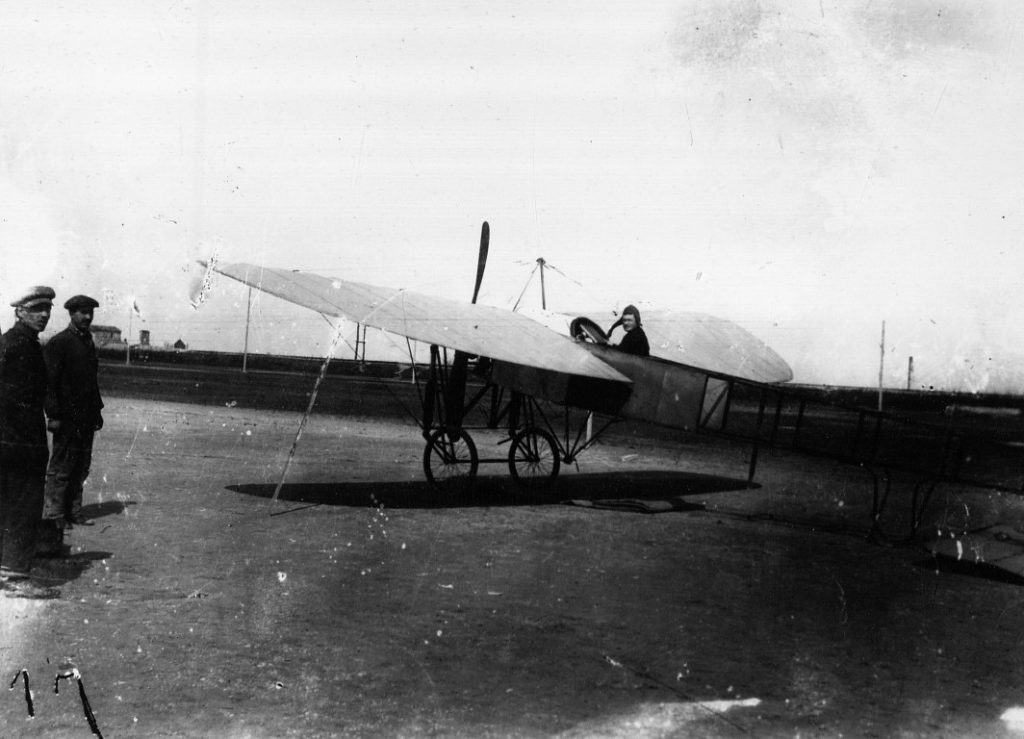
point(22, 397)
point(73, 396)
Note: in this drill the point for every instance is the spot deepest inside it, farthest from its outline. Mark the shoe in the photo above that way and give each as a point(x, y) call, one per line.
point(82, 521)
point(28, 589)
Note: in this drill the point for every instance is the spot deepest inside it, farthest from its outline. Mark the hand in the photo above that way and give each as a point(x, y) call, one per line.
point(53, 425)
point(99, 423)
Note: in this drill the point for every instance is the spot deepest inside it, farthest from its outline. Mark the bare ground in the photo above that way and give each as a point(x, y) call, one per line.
point(364, 603)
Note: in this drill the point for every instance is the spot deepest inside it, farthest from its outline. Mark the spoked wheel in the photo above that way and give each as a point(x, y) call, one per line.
point(450, 457)
point(533, 458)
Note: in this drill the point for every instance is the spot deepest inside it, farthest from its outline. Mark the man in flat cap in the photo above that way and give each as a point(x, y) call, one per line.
point(23, 449)
point(73, 407)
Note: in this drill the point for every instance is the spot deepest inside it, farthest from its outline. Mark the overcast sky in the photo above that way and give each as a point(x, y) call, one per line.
point(805, 169)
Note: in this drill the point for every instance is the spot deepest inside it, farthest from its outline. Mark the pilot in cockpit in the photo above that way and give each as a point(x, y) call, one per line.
point(635, 340)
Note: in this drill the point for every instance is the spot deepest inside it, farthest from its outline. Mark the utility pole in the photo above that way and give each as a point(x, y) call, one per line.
point(881, 367)
point(245, 350)
point(910, 373)
point(128, 339)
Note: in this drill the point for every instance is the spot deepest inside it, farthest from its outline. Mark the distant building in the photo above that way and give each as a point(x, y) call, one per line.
point(106, 335)
point(180, 346)
point(144, 337)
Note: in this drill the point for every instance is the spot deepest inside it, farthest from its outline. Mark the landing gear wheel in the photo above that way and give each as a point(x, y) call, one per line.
point(450, 457)
point(533, 458)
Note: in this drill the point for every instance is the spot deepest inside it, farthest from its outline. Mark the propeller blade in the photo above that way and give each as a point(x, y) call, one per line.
point(485, 241)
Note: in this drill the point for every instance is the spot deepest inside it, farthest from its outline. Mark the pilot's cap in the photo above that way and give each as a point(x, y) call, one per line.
point(631, 309)
point(35, 296)
point(80, 302)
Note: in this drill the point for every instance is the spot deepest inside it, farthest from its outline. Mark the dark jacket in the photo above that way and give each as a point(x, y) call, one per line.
point(22, 396)
point(73, 395)
point(635, 342)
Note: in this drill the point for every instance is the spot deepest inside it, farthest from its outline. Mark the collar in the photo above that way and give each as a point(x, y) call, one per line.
point(84, 335)
point(21, 328)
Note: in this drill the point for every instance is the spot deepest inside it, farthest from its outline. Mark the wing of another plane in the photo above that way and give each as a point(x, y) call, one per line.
point(714, 344)
point(466, 327)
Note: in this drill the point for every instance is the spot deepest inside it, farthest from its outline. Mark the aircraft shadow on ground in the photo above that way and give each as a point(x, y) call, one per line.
point(981, 570)
point(668, 488)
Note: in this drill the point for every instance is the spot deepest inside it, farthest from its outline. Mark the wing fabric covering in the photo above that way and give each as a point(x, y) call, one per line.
point(475, 329)
point(713, 344)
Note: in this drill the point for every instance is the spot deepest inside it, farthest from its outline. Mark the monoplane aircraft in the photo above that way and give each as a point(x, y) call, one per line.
point(704, 374)
point(685, 383)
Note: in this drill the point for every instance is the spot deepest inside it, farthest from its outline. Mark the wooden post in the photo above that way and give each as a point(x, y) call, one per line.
point(910, 373)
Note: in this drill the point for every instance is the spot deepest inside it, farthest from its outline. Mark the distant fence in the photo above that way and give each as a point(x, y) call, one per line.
point(141, 355)
point(1005, 414)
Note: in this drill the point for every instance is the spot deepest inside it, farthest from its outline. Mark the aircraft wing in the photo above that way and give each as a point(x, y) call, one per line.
point(467, 327)
point(711, 343)
point(697, 340)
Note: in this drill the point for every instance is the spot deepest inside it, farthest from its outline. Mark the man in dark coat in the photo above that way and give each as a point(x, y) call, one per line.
point(635, 340)
point(73, 407)
point(23, 449)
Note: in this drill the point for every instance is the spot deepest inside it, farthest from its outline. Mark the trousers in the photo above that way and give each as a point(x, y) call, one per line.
point(69, 466)
point(21, 504)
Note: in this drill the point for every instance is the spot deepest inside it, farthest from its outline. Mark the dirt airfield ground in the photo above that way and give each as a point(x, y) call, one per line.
point(363, 603)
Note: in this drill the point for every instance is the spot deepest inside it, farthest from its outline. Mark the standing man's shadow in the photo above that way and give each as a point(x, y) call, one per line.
point(68, 566)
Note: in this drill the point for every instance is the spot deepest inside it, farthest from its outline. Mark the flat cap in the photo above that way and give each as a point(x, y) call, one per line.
point(34, 296)
point(78, 302)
